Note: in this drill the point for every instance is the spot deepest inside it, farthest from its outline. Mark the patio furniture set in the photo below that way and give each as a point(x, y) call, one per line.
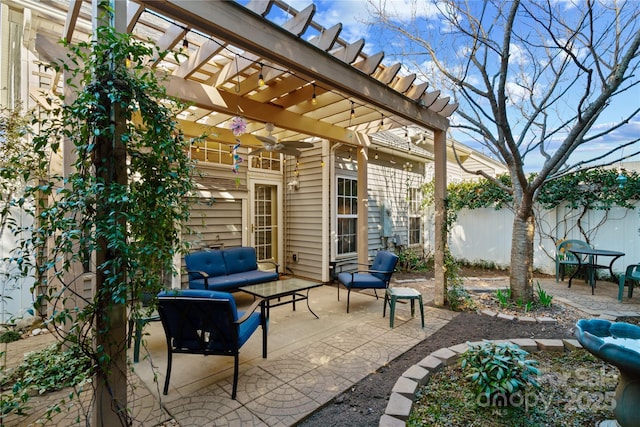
point(204, 319)
point(585, 259)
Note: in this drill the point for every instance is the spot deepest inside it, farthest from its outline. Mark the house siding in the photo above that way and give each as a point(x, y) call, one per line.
point(303, 215)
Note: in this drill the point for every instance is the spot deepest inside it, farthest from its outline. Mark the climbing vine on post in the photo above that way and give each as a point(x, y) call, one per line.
point(125, 231)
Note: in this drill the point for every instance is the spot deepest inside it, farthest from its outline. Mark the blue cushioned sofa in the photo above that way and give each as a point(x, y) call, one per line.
point(227, 269)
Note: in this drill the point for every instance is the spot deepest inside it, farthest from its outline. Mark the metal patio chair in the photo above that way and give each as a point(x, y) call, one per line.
point(208, 323)
point(377, 276)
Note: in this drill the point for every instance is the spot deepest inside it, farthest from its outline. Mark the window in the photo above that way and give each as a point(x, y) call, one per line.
point(347, 215)
point(414, 196)
point(212, 152)
point(415, 217)
point(266, 160)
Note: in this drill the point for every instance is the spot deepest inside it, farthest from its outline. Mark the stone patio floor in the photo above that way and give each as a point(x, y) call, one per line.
point(310, 361)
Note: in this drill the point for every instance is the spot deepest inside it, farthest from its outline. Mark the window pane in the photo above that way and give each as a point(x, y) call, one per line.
point(415, 230)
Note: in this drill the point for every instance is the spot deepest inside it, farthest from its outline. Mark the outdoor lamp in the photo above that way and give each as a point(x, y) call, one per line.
point(261, 77)
point(621, 179)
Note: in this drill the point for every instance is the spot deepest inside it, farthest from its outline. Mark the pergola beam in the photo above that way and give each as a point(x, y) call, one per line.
point(242, 28)
point(225, 102)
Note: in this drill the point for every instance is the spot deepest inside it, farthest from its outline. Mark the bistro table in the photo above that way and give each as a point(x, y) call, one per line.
point(592, 263)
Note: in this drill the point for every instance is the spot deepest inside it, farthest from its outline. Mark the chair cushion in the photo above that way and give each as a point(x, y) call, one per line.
point(384, 261)
point(202, 293)
point(211, 262)
point(361, 281)
point(248, 327)
point(239, 260)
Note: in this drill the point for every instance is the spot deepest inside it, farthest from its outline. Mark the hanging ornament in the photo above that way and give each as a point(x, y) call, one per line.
point(238, 125)
point(236, 161)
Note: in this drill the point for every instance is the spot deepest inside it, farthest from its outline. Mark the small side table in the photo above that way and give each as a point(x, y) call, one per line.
point(392, 295)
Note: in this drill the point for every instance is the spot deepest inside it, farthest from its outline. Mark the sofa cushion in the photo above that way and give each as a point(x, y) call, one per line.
point(239, 260)
point(259, 276)
point(209, 261)
point(228, 282)
point(220, 283)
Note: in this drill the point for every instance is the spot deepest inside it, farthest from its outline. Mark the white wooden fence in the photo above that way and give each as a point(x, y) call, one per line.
point(15, 290)
point(484, 235)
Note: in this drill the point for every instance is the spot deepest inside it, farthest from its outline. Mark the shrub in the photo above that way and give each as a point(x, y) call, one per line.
point(9, 336)
point(458, 297)
point(42, 371)
point(411, 261)
point(52, 368)
point(498, 369)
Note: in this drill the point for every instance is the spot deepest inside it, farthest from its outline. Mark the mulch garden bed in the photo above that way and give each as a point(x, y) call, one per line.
point(365, 402)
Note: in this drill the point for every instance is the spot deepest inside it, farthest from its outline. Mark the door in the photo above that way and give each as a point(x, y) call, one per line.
point(265, 221)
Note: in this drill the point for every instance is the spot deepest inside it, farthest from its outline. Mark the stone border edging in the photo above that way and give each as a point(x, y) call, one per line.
point(406, 387)
point(523, 319)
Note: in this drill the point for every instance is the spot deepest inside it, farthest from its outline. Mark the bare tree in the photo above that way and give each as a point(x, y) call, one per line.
point(538, 78)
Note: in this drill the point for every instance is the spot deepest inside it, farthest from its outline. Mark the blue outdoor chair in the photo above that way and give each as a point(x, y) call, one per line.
point(208, 323)
point(376, 277)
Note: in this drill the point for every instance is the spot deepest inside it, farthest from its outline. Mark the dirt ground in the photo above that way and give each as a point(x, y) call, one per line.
point(364, 403)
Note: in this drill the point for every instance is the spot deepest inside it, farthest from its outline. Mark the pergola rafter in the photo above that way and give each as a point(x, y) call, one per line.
point(230, 45)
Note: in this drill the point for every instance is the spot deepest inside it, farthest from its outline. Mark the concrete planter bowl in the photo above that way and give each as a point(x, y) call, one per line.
point(618, 344)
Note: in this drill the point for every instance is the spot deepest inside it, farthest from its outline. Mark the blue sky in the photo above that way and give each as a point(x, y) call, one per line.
point(354, 15)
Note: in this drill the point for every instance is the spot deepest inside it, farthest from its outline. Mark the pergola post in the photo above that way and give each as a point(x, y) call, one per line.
point(363, 207)
point(110, 408)
point(440, 233)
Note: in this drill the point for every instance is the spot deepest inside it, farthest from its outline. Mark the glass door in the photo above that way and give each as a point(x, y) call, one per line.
point(265, 221)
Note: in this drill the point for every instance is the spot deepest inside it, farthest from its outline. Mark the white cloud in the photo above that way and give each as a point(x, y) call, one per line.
point(351, 14)
point(403, 10)
point(517, 55)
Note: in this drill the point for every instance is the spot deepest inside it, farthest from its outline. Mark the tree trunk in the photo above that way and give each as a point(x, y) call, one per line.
point(521, 278)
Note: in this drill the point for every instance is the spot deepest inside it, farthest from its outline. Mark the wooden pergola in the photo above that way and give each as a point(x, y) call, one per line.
point(234, 60)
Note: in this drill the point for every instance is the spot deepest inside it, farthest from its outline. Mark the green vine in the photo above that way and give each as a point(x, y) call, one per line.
point(457, 296)
point(592, 189)
point(479, 194)
point(19, 164)
point(131, 225)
